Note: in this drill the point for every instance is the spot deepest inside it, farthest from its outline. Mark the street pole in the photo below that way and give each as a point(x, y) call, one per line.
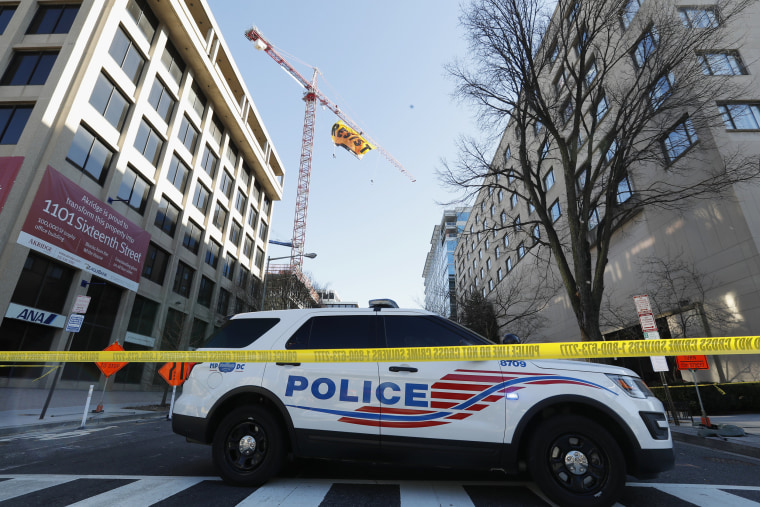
point(264, 292)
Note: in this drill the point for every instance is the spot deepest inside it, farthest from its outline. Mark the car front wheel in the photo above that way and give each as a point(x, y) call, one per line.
point(248, 447)
point(576, 462)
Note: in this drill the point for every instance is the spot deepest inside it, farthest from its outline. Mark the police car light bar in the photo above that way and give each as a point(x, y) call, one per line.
point(377, 304)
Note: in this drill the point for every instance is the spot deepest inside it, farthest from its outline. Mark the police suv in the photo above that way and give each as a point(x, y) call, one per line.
point(577, 427)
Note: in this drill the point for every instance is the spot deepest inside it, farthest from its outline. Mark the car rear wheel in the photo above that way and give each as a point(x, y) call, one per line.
point(576, 462)
point(248, 447)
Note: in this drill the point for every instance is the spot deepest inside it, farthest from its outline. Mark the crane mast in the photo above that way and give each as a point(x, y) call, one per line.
point(311, 97)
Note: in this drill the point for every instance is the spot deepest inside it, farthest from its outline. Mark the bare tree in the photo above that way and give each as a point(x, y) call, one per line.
point(593, 95)
point(677, 290)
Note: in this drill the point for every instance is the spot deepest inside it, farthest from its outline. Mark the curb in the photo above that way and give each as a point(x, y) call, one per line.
point(717, 443)
point(92, 420)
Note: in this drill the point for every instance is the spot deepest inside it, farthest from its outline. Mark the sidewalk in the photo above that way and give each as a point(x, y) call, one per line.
point(748, 445)
point(20, 409)
point(20, 413)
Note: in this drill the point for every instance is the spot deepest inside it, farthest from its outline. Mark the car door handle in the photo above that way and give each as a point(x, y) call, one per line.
point(403, 368)
point(288, 364)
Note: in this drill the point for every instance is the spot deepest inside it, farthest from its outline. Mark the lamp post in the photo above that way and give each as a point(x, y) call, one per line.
point(266, 272)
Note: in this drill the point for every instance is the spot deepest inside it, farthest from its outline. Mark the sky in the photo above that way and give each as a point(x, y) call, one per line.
point(383, 64)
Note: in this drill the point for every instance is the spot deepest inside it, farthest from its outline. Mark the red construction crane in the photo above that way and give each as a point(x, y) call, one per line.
point(311, 97)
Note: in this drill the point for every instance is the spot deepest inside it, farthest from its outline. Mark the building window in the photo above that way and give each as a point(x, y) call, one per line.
point(506, 240)
point(240, 199)
point(545, 147)
point(6, 13)
point(553, 52)
point(110, 102)
point(248, 246)
point(225, 185)
point(156, 261)
point(183, 279)
point(611, 151)
point(490, 284)
point(212, 254)
point(144, 17)
point(161, 99)
point(559, 82)
point(499, 275)
point(624, 191)
point(518, 224)
point(263, 231)
point(513, 201)
point(178, 174)
point(549, 180)
point(554, 211)
point(224, 302)
point(699, 17)
point(521, 250)
point(253, 217)
point(488, 264)
point(500, 195)
point(134, 190)
point(232, 154)
point(188, 134)
point(220, 217)
point(149, 142)
point(680, 139)
point(196, 99)
point(531, 207)
point(535, 234)
point(205, 292)
point(209, 162)
point(53, 18)
point(662, 90)
point(167, 216)
point(509, 264)
point(727, 63)
point(201, 198)
point(235, 233)
point(29, 68)
point(266, 206)
point(646, 46)
point(602, 106)
point(629, 12)
point(259, 258)
point(172, 62)
point(192, 238)
point(242, 278)
point(90, 155)
point(741, 116)
point(593, 219)
point(216, 130)
point(228, 267)
point(126, 54)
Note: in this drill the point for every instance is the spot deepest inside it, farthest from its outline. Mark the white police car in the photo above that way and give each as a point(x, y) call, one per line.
point(578, 427)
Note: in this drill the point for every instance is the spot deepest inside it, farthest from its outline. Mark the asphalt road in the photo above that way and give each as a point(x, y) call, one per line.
point(141, 463)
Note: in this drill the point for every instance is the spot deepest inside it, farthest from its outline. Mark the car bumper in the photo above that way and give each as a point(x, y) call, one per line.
point(192, 428)
point(648, 463)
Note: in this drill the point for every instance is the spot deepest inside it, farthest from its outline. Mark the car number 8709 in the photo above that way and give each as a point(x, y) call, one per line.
point(517, 364)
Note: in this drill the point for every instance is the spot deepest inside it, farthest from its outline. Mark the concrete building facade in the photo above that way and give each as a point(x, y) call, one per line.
point(439, 272)
point(136, 170)
point(719, 237)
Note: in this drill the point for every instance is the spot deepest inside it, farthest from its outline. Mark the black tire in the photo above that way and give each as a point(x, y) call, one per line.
point(595, 472)
point(248, 447)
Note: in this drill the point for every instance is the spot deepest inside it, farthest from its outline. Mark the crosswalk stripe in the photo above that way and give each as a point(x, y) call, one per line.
point(19, 486)
point(142, 492)
point(433, 494)
point(291, 492)
point(706, 496)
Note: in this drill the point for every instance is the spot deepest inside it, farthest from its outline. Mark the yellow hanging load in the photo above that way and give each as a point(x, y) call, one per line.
point(346, 137)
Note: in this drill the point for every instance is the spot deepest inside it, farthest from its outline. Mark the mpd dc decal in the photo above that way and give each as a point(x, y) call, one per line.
point(456, 396)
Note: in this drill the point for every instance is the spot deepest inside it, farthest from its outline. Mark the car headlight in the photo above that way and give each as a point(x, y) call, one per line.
point(632, 386)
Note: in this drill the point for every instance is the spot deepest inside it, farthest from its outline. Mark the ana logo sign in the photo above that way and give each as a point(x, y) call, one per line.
point(35, 316)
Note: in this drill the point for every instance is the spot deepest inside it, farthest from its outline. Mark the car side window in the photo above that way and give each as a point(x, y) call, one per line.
point(239, 333)
point(419, 331)
point(336, 332)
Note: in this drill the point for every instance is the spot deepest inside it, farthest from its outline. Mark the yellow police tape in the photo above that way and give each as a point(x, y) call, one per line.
point(565, 350)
